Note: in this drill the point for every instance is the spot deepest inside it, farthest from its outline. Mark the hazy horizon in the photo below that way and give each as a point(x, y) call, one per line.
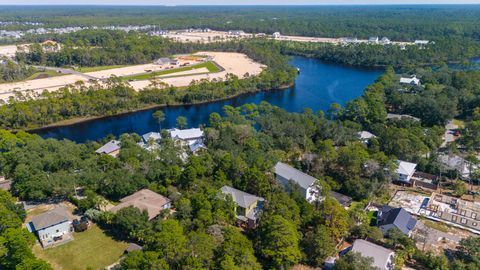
point(237, 2)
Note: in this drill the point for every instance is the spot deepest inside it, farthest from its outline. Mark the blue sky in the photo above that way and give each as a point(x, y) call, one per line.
point(232, 2)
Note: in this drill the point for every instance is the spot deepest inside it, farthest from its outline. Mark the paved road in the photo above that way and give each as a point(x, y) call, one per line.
point(68, 71)
point(449, 137)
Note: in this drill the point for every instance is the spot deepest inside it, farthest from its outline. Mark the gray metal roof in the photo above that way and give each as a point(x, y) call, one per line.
point(241, 198)
point(302, 179)
point(50, 218)
point(109, 147)
point(380, 255)
point(398, 217)
point(151, 135)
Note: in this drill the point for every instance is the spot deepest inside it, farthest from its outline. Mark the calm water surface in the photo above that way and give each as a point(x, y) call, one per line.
point(317, 86)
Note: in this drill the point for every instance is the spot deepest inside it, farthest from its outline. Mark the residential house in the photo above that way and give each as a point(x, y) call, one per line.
point(373, 40)
point(393, 116)
point(193, 138)
point(365, 136)
point(349, 40)
point(453, 211)
point(285, 173)
point(151, 136)
point(405, 171)
point(52, 227)
point(162, 61)
point(276, 35)
point(389, 218)
point(174, 62)
point(410, 80)
point(147, 200)
point(236, 32)
point(385, 41)
point(421, 42)
point(344, 200)
point(111, 148)
point(459, 164)
point(248, 206)
point(382, 257)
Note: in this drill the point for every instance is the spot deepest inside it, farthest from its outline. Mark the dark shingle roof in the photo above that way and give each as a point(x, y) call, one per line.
point(342, 199)
point(399, 218)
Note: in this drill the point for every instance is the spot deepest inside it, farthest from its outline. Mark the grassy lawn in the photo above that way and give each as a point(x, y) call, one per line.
point(91, 248)
point(43, 74)
point(372, 218)
point(209, 65)
point(99, 68)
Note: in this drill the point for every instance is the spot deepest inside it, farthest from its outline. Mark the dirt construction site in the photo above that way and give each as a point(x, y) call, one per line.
point(179, 72)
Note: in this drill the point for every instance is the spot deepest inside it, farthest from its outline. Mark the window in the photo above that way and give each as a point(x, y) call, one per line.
point(475, 224)
point(454, 218)
point(463, 220)
point(474, 215)
point(463, 212)
point(57, 230)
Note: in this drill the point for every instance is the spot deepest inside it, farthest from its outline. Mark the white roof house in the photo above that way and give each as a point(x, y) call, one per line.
point(365, 136)
point(405, 171)
point(412, 80)
point(111, 148)
point(285, 173)
point(186, 134)
point(455, 162)
point(385, 41)
point(382, 257)
point(421, 42)
point(151, 136)
point(373, 40)
point(276, 35)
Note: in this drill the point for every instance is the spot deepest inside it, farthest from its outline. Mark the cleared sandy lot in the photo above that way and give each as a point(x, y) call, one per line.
point(10, 50)
point(204, 37)
point(38, 86)
point(234, 63)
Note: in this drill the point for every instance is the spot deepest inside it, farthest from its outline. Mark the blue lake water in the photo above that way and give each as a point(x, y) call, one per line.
point(317, 87)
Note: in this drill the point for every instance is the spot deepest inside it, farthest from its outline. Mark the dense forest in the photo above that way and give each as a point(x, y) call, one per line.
point(402, 22)
point(368, 55)
point(11, 71)
point(243, 146)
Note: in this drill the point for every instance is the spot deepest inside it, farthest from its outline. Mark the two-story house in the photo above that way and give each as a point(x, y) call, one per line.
point(248, 206)
point(52, 227)
point(286, 174)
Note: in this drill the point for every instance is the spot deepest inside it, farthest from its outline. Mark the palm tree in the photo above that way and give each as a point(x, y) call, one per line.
point(160, 117)
point(181, 122)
